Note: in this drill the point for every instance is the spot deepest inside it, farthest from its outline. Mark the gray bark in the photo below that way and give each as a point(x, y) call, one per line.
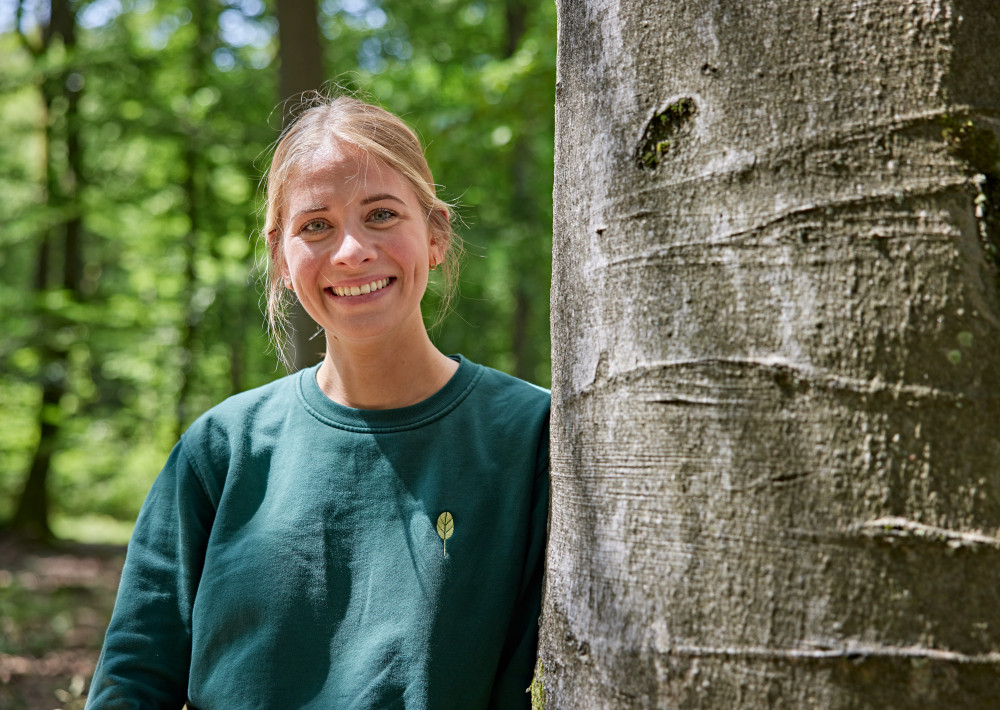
point(776, 373)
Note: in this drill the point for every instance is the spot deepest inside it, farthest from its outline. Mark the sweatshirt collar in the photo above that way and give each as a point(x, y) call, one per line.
point(414, 416)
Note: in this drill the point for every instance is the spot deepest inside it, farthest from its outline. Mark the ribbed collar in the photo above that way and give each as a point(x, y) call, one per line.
point(387, 420)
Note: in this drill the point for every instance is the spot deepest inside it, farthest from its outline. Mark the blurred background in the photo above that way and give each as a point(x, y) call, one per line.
point(134, 135)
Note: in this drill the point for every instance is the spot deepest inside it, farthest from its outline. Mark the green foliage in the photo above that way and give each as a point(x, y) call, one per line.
point(173, 104)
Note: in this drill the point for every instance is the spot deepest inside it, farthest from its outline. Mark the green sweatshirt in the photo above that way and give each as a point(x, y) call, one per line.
point(295, 553)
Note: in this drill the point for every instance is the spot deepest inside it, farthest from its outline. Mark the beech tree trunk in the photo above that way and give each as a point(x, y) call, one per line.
point(776, 356)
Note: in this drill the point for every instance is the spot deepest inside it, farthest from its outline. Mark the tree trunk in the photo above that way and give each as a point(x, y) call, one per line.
point(516, 13)
point(301, 69)
point(194, 188)
point(776, 381)
point(62, 170)
point(31, 518)
point(193, 311)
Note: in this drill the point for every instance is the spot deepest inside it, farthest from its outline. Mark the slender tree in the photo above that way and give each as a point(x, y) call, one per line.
point(194, 187)
point(301, 70)
point(59, 264)
point(521, 206)
point(776, 381)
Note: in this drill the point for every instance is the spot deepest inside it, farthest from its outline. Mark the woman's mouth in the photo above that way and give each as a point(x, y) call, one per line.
point(360, 290)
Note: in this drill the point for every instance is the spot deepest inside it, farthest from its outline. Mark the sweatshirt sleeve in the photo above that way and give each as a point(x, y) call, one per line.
point(147, 649)
point(517, 664)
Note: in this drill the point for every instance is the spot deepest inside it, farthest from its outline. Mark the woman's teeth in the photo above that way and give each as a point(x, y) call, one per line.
point(358, 290)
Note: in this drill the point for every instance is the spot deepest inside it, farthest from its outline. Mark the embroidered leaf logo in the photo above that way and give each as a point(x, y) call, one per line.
point(445, 528)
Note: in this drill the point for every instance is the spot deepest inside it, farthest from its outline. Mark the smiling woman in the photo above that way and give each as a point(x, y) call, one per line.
point(364, 143)
point(351, 202)
point(350, 223)
point(367, 532)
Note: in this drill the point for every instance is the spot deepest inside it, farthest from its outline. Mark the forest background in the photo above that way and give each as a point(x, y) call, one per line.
point(133, 143)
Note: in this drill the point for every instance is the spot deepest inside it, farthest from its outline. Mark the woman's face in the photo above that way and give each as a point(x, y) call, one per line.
point(356, 246)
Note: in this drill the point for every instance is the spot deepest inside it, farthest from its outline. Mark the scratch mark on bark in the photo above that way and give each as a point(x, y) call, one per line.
point(740, 236)
point(780, 479)
point(855, 652)
point(802, 373)
point(693, 401)
point(769, 153)
point(897, 527)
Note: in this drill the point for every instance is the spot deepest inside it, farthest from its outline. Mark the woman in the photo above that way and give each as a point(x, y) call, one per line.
point(366, 533)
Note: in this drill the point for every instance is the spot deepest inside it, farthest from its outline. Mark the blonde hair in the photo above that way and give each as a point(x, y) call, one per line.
point(375, 132)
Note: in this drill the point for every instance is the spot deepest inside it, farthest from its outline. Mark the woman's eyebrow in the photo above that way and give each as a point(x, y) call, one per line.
point(309, 210)
point(382, 196)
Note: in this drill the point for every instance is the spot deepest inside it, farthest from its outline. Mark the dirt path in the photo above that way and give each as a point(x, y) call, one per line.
point(55, 603)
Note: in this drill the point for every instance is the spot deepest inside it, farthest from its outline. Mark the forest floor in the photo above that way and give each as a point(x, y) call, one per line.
point(55, 602)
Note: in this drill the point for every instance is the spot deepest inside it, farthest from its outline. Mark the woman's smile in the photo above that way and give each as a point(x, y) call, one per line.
point(366, 288)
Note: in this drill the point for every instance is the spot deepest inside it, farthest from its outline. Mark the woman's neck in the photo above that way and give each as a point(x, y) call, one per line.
point(377, 376)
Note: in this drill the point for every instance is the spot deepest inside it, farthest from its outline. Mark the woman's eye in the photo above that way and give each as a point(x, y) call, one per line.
point(382, 214)
point(313, 226)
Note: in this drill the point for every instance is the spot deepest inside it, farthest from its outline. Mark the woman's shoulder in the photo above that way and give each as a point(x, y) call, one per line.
point(258, 408)
point(509, 390)
point(507, 406)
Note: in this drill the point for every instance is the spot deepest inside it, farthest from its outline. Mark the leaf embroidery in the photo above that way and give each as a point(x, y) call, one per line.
point(445, 528)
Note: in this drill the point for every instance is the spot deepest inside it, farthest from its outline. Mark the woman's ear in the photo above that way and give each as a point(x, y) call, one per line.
point(277, 258)
point(439, 247)
point(440, 236)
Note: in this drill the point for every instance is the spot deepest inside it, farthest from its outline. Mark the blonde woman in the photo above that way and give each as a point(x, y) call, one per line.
point(365, 533)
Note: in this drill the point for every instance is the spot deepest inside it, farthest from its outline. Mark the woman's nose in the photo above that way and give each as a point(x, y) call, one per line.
point(354, 249)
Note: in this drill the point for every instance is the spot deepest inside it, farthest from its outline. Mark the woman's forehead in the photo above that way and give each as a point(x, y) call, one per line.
point(338, 166)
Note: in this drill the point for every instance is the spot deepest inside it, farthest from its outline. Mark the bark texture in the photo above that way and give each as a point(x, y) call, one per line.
point(776, 372)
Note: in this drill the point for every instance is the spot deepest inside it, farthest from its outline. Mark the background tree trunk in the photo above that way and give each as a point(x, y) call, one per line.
point(193, 186)
point(519, 212)
point(60, 268)
point(301, 69)
point(776, 381)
